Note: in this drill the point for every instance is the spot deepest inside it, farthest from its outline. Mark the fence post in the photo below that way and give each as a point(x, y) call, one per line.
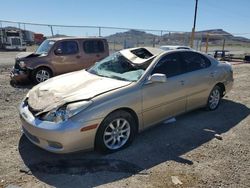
point(223, 46)
point(207, 42)
point(160, 38)
point(100, 34)
point(201, 42)
point(51, 29)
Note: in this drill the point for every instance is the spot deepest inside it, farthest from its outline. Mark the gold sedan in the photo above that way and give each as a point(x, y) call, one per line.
point(105, 106)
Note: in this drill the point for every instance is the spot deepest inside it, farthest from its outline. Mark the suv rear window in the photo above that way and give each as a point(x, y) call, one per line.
point(93, 46)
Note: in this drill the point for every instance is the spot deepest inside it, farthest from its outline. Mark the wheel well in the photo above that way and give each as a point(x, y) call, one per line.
point(45, 68)
point(129, 110)
point(132, 112)
point(222, 87)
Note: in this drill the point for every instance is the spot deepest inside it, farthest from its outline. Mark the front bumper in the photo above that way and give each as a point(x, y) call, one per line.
point(19, 76)
point(63, 137)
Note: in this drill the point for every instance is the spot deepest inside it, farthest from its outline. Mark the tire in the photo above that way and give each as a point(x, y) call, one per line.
point(214, 98)
point(41, 74)
point(116, 132)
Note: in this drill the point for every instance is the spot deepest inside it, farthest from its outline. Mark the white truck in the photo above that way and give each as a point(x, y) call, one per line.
point(11, 39)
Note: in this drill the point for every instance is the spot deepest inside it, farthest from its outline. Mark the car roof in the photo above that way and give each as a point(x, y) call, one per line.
point(134, 57)
point(172, 47)
point(74, 38)
point(141, 55)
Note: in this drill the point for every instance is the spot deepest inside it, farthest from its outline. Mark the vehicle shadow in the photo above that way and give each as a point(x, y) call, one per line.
point(25, 85)
point(157, 145)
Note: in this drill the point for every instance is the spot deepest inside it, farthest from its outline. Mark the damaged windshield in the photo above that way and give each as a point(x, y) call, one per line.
point(45, 47)
point(116, 66)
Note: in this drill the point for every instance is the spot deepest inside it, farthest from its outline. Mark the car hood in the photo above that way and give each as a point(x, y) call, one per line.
point(75, 86)
point(23, 55)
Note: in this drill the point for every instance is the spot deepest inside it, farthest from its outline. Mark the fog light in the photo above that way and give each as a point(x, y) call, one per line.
point(55, 145)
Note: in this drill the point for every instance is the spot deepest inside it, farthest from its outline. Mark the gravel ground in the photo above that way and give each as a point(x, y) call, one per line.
point(200, 149)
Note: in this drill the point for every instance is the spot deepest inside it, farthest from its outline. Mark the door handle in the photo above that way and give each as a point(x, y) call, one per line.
point(182, 82)
point(78, 56)
point(97, 55)
point(212, 74)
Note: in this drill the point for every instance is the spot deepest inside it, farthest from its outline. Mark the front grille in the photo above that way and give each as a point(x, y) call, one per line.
point(16, 41)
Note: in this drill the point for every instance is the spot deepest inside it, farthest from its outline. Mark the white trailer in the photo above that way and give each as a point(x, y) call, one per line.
point(11, 39)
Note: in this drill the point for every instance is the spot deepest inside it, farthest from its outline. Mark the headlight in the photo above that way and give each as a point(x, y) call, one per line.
point(22, 64)
point(65, 112)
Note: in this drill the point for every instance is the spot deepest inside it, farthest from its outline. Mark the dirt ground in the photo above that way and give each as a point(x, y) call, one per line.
point(200, 149)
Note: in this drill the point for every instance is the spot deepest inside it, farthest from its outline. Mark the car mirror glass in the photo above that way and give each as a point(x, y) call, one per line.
point(58, 51)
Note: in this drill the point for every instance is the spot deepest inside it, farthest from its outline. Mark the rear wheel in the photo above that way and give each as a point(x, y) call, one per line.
point(214, 98)
point(116, 132)
point(41, 74)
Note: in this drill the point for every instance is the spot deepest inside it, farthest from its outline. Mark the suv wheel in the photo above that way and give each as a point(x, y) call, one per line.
point(41, 74)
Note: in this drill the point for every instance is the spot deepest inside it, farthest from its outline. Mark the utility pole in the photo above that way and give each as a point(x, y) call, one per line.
point(193, 29)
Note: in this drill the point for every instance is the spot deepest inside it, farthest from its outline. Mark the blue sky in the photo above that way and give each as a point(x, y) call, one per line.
point(177, 15)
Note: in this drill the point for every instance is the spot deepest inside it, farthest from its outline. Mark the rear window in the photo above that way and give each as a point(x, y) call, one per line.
point(93, 46)
point(195, 61)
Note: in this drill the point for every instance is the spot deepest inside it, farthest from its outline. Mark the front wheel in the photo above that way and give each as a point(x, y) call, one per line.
point(116, 132)
point(41, 74)
point(214, 98)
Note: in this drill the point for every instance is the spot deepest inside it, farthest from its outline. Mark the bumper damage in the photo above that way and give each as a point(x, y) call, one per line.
point(64, 137)
point(19, 76)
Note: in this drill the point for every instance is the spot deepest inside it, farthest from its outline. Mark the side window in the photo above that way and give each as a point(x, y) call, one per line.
point(170, 65)
point(93, 46)
point(68, 47)
point(195, 61)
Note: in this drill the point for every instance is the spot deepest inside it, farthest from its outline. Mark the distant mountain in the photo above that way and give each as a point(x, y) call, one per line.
point(133, 37)
point(136, 37)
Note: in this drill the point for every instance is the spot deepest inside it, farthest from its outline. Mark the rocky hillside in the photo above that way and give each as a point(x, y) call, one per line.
point(135, 37)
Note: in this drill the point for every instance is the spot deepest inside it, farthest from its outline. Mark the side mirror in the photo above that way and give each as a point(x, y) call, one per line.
point(157, 78)
point(58, 51)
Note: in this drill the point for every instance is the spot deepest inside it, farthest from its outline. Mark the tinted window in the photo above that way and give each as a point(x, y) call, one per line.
point(68, 47)
point(93, 46)
point(170, 65)
point(194, 61)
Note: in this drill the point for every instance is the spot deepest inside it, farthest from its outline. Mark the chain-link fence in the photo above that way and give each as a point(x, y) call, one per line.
point(120, 38)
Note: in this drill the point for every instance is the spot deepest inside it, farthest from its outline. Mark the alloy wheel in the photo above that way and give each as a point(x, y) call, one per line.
point(214, 99)
point(42, 75)
point(116, 134)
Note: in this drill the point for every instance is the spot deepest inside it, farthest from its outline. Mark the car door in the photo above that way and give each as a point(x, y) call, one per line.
point(66, 56)
point(163, 100)
point(199, 78)
point(93, 51)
